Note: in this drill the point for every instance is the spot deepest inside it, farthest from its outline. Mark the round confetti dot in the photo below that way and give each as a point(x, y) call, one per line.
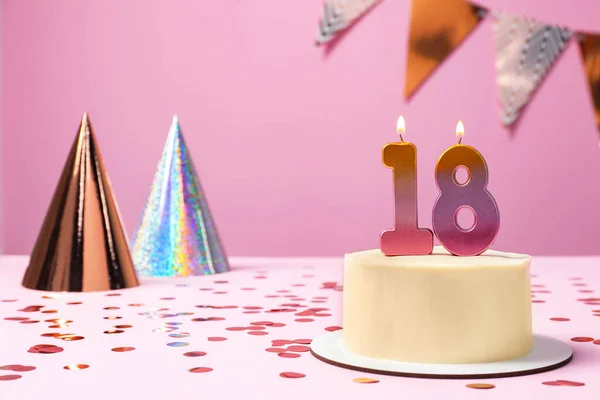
point(9, 377)
point(195, 354)
point(112, 317)
point(365, 380)
point(582, 339)
point(123, 326)
point(23, 368)
point(292, 375)
point(197, 370)
point(122, 349)
point(277, 325)
point(8, 300)
point(262, 323)
point(597, 341)
point(288, 355)
point(570, 383)
point(29, 321)
point(50, 350)
point(113, 294)
point(298, 349)
point(136, 305)
point(480, 386)
point(74, 303)
point(111, 308)
point(113, 331)
point(76, 367)
point(333, 328)
point(16, 318)
point(49, 311)
point(236, 328)
point(303, 341)
point(257, 333)
point(178, 344)
point(280, 342)
point(255, 328)
point(304, 320)
point(275, 350)
point(559, 319)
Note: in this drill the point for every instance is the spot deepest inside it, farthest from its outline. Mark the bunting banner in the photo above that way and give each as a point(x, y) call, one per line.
point(337, 15)
point(525, 49)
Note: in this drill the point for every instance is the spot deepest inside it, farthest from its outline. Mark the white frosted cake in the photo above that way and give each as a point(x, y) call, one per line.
point(439, 308)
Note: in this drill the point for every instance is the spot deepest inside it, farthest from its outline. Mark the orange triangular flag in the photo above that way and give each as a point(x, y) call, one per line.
point(437, 27)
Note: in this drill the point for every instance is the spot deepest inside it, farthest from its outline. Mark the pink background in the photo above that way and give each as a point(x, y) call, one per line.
point(287, 140)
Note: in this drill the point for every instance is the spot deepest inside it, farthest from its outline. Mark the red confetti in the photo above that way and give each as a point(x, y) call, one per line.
point(288, 355)
point(195, 354)
point(298, 349)
point(597, 341)
point(267, 323)
point(277, 325)
point(255, 328)
point(248, 288)
point(236, 328)
point(252, 308)
point(221, 282)
point(582, 339)
point(292, 375)
point(333, 328)
point(275, 350)
point(570, 383)
point(216, 339)
point(200, 369)
point(559, 319)
point(303, 341)
point(9, 377)
point(304, 320)
point(280, 342)
point(257, 333)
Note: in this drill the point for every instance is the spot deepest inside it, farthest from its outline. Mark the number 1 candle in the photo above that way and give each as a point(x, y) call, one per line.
point(471, 194)
point(406, 238)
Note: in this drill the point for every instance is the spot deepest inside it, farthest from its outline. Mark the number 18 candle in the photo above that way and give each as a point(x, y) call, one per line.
point(406, 238)
point(471, 194)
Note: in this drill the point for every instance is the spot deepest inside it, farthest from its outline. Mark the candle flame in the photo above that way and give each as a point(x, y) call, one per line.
point(460, 131)
point(401, 125)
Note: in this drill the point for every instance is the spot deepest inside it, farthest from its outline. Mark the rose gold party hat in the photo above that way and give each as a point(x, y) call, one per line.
point(82, 246)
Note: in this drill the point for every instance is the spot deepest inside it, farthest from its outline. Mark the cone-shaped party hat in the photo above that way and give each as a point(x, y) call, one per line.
point(82, 246)
point(177, 235)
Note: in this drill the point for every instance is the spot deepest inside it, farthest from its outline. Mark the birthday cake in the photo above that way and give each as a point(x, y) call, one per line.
point(437, 308)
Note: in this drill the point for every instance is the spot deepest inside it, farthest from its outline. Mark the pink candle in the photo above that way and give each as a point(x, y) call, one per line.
point(471, 194)
point(406, 238)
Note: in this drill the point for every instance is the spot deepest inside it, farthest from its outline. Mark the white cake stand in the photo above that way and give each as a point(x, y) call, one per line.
point(547, 354)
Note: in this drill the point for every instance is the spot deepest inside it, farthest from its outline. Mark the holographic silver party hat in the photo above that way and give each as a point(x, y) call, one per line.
point(177, 235)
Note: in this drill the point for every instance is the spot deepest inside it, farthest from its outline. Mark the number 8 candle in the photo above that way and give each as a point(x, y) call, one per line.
point(406, 238)
point(471, 194)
